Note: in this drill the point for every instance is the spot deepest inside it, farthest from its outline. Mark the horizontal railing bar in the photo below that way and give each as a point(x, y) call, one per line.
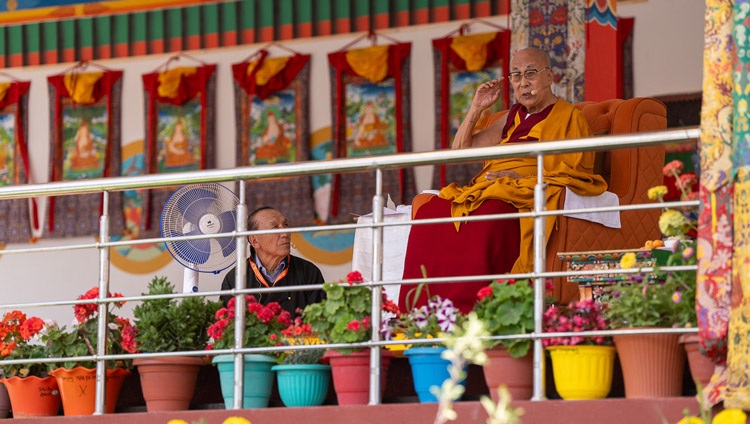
point(140, 182)
point(338, 227)
point(368, 344)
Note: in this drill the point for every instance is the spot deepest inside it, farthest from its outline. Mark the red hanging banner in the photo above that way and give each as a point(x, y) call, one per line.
point(180, 128)
point(85, 143)
point(371, 116)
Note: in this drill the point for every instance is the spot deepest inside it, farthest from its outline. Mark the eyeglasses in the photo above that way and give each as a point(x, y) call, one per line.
point(530, 75)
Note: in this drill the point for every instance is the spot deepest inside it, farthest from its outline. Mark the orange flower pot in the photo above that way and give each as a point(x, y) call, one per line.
point(33, 396)
point(78, 389)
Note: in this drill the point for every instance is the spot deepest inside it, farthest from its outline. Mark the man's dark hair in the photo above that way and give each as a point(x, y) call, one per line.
point(252, 224)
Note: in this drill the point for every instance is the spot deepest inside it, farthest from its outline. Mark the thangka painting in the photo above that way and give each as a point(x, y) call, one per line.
point(19, 216)
point(371, 116)
point(272, 98)
point(462, 63)
point(85, 143)
point(180, 129)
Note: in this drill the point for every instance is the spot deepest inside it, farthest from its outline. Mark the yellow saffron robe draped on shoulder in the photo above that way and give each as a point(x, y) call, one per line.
point(572, 170)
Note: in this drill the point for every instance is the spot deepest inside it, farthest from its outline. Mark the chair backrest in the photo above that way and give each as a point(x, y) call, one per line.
point(617, 116)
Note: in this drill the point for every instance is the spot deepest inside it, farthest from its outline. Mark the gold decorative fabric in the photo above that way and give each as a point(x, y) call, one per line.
point(473, 49)
point(268, 69)
point(81, 86)
point(169, 81)
point(370, 63)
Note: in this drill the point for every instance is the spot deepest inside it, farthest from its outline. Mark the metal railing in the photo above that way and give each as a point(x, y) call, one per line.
point(377, 163)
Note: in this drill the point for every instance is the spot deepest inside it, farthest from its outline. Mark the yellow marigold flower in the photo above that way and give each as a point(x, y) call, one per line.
point(673, 223)
point(657, 193)
point(627, 261)
point(177, 422)
point(730, 416)
point(236, 420)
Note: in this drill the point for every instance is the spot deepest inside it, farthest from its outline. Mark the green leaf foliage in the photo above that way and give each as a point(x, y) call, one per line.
point(173, 325)
point(343, 316)
point(507, 309)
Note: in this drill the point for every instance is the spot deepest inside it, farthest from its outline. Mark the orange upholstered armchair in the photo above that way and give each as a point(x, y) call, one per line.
point(629, 174)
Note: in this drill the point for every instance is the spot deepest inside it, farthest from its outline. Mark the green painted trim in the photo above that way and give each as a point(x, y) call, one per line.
point(69, 34)
point(286, 12)
point(323, 10)
point(103, 30)
point(33, 38)
point(229, 17)
point(156, 25)
point(250, 19)
point(342, 9)
point(248, 15)
point(402, 5)
point(2, 43)
point(362, 7)
point(381, 7)
point(174, 23)
point(121, 29)
point(266, 13)
point(193, 20)
point(211, 19)
point(140, 27)
point(15, 39)
point(304, 9)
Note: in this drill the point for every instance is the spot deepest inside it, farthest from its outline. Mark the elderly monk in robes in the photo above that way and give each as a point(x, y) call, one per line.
point(503, 186)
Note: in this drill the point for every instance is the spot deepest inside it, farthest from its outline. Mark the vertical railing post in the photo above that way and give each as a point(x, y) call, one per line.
point(377, 277)
point(540, 247)
point(101, 324)
point(239, 305)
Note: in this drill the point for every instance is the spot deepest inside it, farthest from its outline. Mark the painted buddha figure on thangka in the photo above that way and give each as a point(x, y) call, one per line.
point(83, 154)
point(177, 148)
point(369, 131)
point(274, 145)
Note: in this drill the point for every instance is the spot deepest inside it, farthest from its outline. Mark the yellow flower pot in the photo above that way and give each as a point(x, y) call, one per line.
point(582, 371)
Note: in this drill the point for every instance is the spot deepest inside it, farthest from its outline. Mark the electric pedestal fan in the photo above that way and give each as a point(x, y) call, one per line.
point(196, 209)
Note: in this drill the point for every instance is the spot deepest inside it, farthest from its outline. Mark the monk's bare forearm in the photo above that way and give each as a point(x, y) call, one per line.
point(464, 137)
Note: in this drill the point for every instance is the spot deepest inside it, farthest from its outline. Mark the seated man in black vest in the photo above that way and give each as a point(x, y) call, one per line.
point(271, 265)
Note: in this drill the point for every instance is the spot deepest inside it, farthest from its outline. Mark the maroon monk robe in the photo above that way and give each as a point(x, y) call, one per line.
point(486, 247)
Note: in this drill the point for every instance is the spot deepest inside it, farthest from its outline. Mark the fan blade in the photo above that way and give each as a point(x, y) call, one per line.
point(192, 251)
point(195, 204)
point(228, 244)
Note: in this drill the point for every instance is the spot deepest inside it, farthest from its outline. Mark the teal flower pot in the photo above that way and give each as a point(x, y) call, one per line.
point(302, 384)
point(428, 369)
point(257, 381)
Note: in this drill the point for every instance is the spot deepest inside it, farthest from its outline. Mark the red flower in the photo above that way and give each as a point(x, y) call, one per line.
point(674, 167)
point(389, 306)
point(484, 292)
point(354, 277)
point(353, 326)
point(31, 327)
point(266, 315)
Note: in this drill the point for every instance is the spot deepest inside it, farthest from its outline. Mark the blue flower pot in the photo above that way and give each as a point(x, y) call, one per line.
point(257, 380)
point(428, 369)
point(302, 384)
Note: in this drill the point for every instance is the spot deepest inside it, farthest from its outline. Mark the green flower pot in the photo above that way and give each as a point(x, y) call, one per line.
point(302, 384)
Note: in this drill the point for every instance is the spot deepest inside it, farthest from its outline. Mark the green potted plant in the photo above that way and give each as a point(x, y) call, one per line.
point(32, 391)
point(344, 316)
point(302, 380)
point(436, 319)
point(658, 300)
point(170, 325)
point(263, 326)
point(81, 340)
point(507, 308)
point(581, 366)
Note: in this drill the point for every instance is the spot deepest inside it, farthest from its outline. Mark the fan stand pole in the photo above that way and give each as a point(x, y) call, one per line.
point(189, 280)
